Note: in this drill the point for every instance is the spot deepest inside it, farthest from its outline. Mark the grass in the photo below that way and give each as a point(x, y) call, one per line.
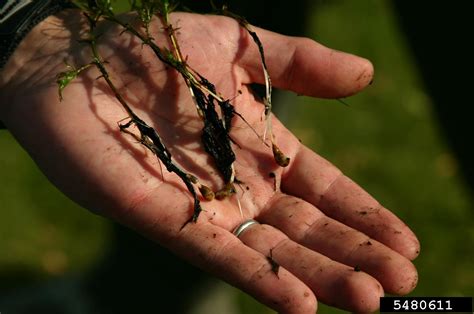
point(42, 233)
point(387, 140)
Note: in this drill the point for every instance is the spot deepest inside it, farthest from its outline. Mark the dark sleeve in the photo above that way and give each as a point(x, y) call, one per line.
point(17, 18)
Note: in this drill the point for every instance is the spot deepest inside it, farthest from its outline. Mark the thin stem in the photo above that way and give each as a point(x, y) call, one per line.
point(149, 137)
point(168, 59)
point(280, 158)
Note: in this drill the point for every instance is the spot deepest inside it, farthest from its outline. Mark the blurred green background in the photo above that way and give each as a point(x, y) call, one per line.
point(389, 140)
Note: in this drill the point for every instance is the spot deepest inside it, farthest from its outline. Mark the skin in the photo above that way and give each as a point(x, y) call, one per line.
point(317, 223)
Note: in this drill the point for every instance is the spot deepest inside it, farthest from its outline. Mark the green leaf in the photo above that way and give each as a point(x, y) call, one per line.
point(64, 78)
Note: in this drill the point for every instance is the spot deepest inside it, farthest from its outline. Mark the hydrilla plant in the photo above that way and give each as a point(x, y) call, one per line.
point(215, 111)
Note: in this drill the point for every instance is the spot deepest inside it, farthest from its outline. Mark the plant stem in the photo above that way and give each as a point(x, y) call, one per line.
point(149, 137)
point(280, 158)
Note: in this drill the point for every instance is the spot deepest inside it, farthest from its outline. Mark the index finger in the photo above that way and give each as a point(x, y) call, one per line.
point(304, 66)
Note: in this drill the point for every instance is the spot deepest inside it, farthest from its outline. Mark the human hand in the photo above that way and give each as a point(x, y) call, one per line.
point(315, 222)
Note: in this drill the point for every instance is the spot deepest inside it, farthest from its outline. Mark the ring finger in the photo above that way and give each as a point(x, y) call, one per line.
point(305, 224)
point(332, 282)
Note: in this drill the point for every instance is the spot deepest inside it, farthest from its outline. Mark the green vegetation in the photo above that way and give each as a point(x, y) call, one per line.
point(42, 233)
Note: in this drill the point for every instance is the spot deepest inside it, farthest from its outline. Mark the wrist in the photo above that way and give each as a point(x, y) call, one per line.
point(17, 18)
point(40, 53)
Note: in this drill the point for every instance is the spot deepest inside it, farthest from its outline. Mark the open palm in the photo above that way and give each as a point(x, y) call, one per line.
point(315, 222)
